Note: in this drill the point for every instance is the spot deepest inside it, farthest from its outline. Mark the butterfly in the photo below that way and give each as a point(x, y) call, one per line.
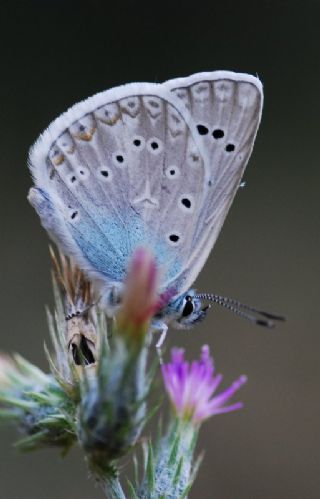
point(154, 165)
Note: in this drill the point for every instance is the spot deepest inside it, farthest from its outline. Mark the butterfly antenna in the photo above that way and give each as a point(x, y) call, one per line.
point(240, 309)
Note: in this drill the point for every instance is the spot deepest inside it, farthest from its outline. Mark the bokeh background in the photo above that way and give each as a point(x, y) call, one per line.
point(55, 53)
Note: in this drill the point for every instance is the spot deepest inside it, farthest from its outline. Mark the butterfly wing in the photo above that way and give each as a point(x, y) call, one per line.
point(117, 171)
point(146, 164)
point(225, 110)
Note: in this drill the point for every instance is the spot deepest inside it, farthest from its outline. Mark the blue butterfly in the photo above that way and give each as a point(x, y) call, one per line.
point(154, 165)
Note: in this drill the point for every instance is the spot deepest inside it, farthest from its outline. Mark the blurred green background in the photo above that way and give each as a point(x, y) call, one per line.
point(55, 53)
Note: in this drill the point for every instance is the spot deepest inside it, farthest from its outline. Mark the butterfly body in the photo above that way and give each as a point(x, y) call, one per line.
point(154, 165)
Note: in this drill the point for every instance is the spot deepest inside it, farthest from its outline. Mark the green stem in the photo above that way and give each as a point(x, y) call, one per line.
point(112, 488)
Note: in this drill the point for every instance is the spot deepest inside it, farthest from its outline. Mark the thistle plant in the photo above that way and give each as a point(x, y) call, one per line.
point(97, 394)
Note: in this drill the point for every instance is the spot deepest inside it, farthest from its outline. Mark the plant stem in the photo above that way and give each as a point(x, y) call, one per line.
point(112, 488)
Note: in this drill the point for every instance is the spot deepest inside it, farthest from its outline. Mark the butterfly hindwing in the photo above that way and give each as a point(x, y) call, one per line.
point(117, 172)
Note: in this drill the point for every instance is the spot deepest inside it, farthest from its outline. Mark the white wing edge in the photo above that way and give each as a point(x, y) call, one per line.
point(213, 76)
point(40, 149)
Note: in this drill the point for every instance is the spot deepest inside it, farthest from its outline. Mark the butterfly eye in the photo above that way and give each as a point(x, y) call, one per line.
point(188, 307)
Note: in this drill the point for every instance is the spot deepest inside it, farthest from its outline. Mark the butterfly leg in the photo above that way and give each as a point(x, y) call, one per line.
point(158, 326)
point(80, 312)
point(162, 336)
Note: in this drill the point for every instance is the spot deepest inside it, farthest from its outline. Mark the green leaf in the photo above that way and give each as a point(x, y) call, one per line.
point(194, 441)
point(7, 414)
point(41, 398)
point(56, 420)
point(53, 367)
point(174, 450)
point(132, 490)
point(178, 471)
point(135, 469)
point(20, 403)
point(57, 298)
point(32, 441)
point(152, 412)
point(186, 491)
point(193, 476)
point(29, 369)
point(150, 468)
point(144, 447)
point(196, 467)
point(53, 330)
point(159, 434)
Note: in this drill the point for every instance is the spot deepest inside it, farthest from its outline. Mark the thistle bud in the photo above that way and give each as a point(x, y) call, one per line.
point(140, 300)
point(36, 402)
point(112, 411)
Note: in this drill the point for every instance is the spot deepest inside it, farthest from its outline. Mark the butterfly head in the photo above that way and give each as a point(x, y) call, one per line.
point(189, 310)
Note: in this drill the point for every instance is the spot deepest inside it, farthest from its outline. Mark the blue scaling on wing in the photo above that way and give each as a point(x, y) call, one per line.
point(168, 261)
point(104, 242)
point(108, 246)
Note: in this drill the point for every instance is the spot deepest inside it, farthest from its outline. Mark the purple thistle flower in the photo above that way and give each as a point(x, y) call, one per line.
point(191, 387)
